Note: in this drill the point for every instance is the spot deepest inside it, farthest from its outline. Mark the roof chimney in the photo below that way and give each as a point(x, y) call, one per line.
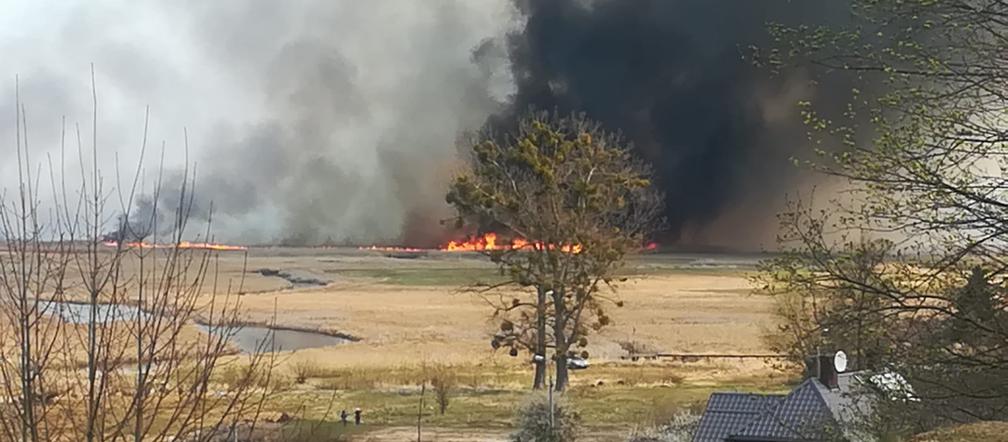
point(822, 368)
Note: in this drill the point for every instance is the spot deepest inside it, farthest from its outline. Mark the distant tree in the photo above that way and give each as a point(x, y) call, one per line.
point(819, 312)
point(976, 305)
point(922, 148)
point(581, 201)
point(443, 380)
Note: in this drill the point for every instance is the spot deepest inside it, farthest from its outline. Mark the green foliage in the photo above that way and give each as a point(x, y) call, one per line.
point(911, 256)
point(534, 423)
point(819, 312)
point(976, 306)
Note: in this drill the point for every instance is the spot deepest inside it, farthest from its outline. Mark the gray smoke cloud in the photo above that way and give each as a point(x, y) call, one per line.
point(309, 121)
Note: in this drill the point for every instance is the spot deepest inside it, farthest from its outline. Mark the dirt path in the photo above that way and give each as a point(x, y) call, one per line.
point(400, 434)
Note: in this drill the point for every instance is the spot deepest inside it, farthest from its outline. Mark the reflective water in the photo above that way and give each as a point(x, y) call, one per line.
point(80, 313)
point(248, 338)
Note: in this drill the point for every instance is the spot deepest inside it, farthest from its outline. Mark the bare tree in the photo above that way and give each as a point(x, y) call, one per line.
point(443, 380)
point(98, 340)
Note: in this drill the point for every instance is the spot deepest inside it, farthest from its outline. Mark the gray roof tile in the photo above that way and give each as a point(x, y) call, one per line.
point(811, 412)
point(802, 415)
point(727, 412)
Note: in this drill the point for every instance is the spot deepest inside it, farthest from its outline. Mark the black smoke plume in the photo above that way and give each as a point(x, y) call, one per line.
point(675, 77)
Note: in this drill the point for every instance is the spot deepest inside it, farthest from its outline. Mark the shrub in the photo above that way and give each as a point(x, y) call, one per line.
point(533, 421)
point(680, 428)
point(239, 374)
point(634, 347)
point(443, 381)
point(303, 369)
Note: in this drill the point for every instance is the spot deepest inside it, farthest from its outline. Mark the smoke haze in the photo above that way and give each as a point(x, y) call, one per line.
point(314, 121)
point(308, 121)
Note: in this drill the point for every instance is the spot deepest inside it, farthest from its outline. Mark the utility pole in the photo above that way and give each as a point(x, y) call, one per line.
point(549, 399)
point(545, 362)
point(419, 417)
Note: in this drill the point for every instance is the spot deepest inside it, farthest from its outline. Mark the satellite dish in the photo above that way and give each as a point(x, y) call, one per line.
point(840, 361)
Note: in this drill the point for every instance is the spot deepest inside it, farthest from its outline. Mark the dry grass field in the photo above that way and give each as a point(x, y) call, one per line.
point(413, 315)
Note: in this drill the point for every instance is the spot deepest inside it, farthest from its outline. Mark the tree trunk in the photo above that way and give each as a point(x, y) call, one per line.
point(560, 339)
point(561, 370)
point(540, 364)
point(540, 375)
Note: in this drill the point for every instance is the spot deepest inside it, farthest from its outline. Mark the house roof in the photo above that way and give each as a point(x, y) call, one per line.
point(801, 415)
point(811, 412)
point(847, 402)
point(727, 412)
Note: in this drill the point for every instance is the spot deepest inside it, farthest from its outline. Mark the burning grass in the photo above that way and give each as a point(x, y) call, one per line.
point(485, 242)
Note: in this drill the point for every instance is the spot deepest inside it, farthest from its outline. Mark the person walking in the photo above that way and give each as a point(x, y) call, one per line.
point(343, 416)
point(357, 415)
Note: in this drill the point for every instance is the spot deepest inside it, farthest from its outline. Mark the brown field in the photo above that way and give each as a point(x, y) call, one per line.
point(418, 318)
point(412, 314)
point(408, 311)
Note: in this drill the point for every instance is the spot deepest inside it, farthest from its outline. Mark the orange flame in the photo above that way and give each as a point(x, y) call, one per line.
point(180, 245)
point(488, 241)
point(491, 241)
